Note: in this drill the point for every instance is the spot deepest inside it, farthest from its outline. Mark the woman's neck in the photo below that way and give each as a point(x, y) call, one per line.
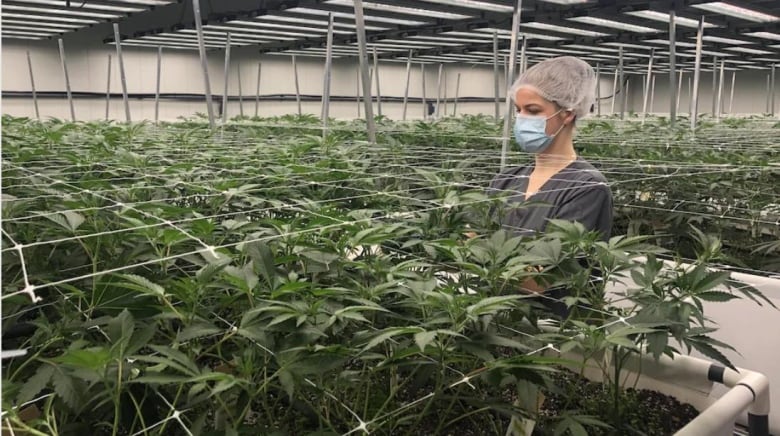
point(560, 154)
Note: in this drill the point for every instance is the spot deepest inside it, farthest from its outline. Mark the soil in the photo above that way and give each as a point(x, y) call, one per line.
point(642, 412)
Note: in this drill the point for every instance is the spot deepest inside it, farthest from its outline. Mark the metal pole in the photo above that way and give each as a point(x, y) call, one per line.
point(32, 84)
point(408, 82)
point(626, 91)
point(496, 76)
point(328, 68)
point(679, 89)
point(719, 103)
point(647, 85)
point(360, 25)
point(523, 55)
point(424, 100)
point(357, 91)
point(598, 90)
point(444, 102)
point(731, 99)
point(652, 96)
point(257, 90)
point(697, 76)
point(203, 61)
point(614, 92)
point(438, 92)
point(297, 84)
point(690, 91)
point(672, 67)
point(621, 83)
point(772, 91)
point(457, 95)
point(157, 88)
point(67, 80)
point(714, 86)
point(511, 75)
point(108, 87)
point(376, 80)
point(227, 80)
point(768, 90)
point(240, 90)
point(122, 78)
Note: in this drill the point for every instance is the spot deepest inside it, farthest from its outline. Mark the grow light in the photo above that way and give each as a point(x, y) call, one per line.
point(566, 2)
point(49, 18)
point(737, 12)
point(484, 6)
point(321, 12)
point(624, 45)
point(602, 22)
point(91, 5)
point(259, 31)
point(564, 29)
point(725, 40)
point(59, 27)
point(68, 12)
point(507, 34)
point(765, 35)
point(664, 17)
point(314, 22)
point(401, 10)
point(666, 43)
point(749, 50)
point(24, 33)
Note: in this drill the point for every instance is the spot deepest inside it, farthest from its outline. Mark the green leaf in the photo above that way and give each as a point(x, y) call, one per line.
point(716, 296)
point(320, 256)
point(388, 333)
point(711, 280)
point(287, 380)
point(89, 358)
point(422, 339)
point(35, 384)
point(66, 389)
point(141, 284)
point(197, 330)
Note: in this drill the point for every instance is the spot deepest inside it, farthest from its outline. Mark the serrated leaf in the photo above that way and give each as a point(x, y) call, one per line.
point(142, 284)
point(422, 339)
point(197, 330)
point(35, 384)
point(287, 381)
point(716, 296)
point(66, 389)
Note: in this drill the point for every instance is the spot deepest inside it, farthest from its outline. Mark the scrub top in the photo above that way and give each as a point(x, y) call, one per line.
point(579, 192)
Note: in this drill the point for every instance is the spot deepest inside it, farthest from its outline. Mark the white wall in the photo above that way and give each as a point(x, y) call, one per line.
point(181, 73)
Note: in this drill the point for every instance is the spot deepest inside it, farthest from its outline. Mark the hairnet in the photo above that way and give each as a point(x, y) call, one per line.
point(566, 81)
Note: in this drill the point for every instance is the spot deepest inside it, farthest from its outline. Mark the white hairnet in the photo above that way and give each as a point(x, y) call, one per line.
point(566, 81)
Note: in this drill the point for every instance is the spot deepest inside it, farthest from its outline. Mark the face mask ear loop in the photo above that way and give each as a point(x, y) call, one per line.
point(562, 125)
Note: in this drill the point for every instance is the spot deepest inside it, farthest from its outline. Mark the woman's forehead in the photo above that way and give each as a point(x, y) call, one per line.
point(526, 95)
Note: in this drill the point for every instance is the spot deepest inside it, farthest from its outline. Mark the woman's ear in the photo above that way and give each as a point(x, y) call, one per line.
point(569, 118)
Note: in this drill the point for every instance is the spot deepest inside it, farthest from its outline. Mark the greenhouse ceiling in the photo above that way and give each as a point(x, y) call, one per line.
point(744, 34)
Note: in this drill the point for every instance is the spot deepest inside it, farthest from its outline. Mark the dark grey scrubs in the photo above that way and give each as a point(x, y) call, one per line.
point(578, 192)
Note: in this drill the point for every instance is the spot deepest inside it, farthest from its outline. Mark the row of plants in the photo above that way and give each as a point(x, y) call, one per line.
point(257, 281)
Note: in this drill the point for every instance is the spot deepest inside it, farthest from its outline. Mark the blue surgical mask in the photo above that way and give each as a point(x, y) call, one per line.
point(531, 133)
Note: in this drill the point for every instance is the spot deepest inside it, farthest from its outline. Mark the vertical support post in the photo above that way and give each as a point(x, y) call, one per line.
point(511, 74)
point(408, 82)
point(598, 89)
point(203, 61)
point(227, 80)
point(772, 90)
point(122, 78)
point(376, 80)
point(444, 101)
point(358, 83)
point(690, 90)
point(714, 86)
point(108, 87)
point(438, 92)
point(626, 91)
point(672, 68)
point(731, 98)
point(157, 86)
point(614, 92)
point(297, 84)
point(67, 79)
point(768, 90)
point(719, 102)
point(697, 76)
point(360, 27)
point(496, 86)
point(652, 96)
point(457, 95)
point(524, 55)
point(424, 100)
point(679, 90)
point(326, 85)
point(240, 90)
point(257, 89)
point(621, 84)
point(32, 85)
point(647, 84)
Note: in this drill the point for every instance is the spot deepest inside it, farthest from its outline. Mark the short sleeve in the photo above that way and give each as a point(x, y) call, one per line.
point(591, 207)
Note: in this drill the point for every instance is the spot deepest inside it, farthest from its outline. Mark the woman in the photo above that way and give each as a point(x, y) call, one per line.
point(550, 97)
